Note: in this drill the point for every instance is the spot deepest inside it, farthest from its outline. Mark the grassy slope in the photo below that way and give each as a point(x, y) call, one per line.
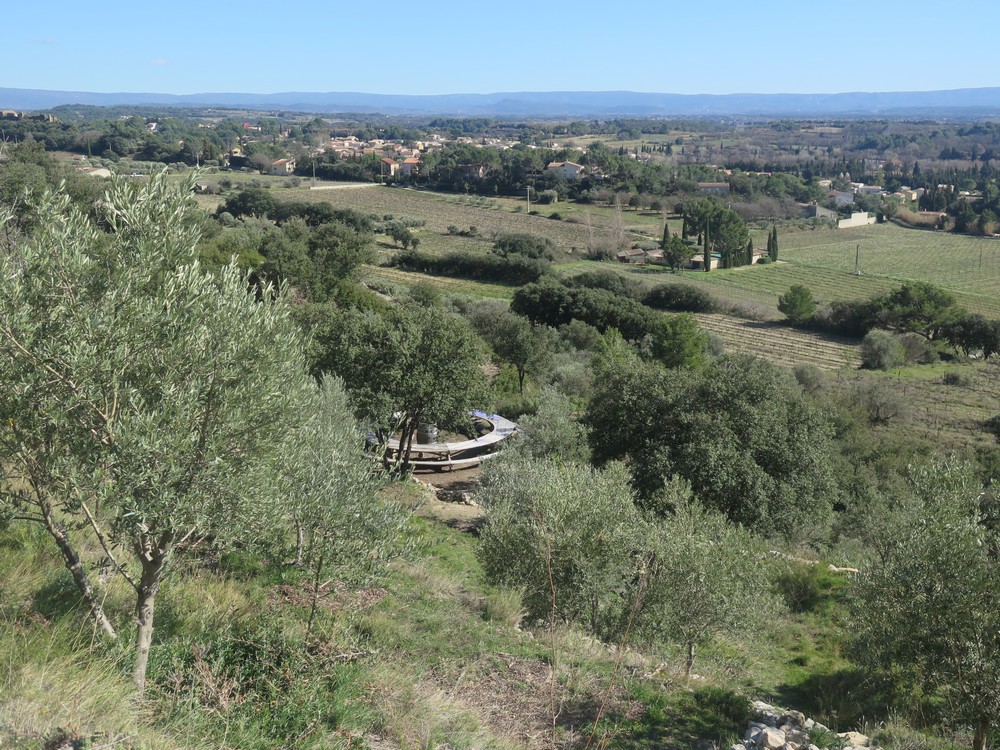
point(433, 659)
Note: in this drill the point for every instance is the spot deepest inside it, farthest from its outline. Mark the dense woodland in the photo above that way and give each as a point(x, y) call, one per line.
point(190, 513)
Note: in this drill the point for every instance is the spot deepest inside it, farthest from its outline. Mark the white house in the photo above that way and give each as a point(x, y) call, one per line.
point(282, 167)
point(568, 170)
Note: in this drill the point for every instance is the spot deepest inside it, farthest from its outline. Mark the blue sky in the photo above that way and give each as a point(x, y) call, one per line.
point(758, 46)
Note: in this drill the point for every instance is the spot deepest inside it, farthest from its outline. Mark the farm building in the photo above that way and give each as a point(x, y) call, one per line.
point(698, 261)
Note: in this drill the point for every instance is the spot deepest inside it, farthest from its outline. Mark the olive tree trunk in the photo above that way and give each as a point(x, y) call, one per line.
point(154, 566)
point(75, 566)
point(979, 738)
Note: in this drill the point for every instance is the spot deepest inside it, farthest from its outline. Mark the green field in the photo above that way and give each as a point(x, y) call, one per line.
point(821, 259)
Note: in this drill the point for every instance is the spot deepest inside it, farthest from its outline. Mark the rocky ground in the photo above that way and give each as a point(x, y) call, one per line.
point(774, 729)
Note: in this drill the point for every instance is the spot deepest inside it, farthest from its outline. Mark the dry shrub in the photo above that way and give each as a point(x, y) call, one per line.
point(504, 606)
point(917, 220)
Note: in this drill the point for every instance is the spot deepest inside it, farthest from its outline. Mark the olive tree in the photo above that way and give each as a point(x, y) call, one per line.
point(926, 606)
point(144, 396)
point(330, 490)
point(565, 533)
point(575, 540)
point(706, 578)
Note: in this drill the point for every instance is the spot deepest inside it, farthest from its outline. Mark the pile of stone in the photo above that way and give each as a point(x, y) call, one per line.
point(774, 729)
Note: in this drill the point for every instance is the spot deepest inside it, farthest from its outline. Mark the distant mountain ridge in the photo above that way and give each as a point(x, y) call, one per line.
point(979, 101)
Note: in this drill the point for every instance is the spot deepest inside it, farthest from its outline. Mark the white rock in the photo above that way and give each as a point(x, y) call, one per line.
point(812, 747)
point(793, 718)
point(738, 746)
point(792, 746)
point(753, 733)
point(855, 739)
point(809, 724)
point(772, 739)
point(795, 735)
point(758, 724)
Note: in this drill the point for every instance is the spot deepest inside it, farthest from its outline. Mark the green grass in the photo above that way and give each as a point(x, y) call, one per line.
point(439, 657)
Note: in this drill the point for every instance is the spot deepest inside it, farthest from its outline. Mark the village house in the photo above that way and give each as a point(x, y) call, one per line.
point(840, 198)
point(473, 171)
point(857, 219)
point(813, 211)
point(389, 167)
point(568, 170)
point(410, 166)
point(869, 190)
point(714, 188)
point(633, 256)
point(282, 167)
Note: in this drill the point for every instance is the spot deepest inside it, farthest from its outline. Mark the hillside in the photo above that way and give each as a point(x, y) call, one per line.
point(547, 103)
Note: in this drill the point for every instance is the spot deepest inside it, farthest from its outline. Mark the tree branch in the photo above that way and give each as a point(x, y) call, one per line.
point(107, 549)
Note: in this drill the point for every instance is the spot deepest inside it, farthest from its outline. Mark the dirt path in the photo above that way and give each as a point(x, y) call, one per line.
point(450, 498)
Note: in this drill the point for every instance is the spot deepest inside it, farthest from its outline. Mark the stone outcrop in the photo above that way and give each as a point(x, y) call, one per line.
point(775, 729)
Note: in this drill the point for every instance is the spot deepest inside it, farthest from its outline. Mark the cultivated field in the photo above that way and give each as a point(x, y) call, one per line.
point(821, 259)
point(782, 345)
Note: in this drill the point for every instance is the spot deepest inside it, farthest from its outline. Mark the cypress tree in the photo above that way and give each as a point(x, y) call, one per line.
point(773, 249)
point(706, 255)
point(684, 227)
point(749, 253)
point(666, 235)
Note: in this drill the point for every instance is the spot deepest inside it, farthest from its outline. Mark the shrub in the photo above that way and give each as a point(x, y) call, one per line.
point(880, 350)
point(749, 311)
point(800, 587)
point(730, 705)
point(917, 349)
point(580, 335)
point(682, 297)
point(716, 345)
point(992, 426)
point(516, 269)
point(878, 401)
point(956, 379)
point(809, 376)
point(607, 280)
point(527, 245)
